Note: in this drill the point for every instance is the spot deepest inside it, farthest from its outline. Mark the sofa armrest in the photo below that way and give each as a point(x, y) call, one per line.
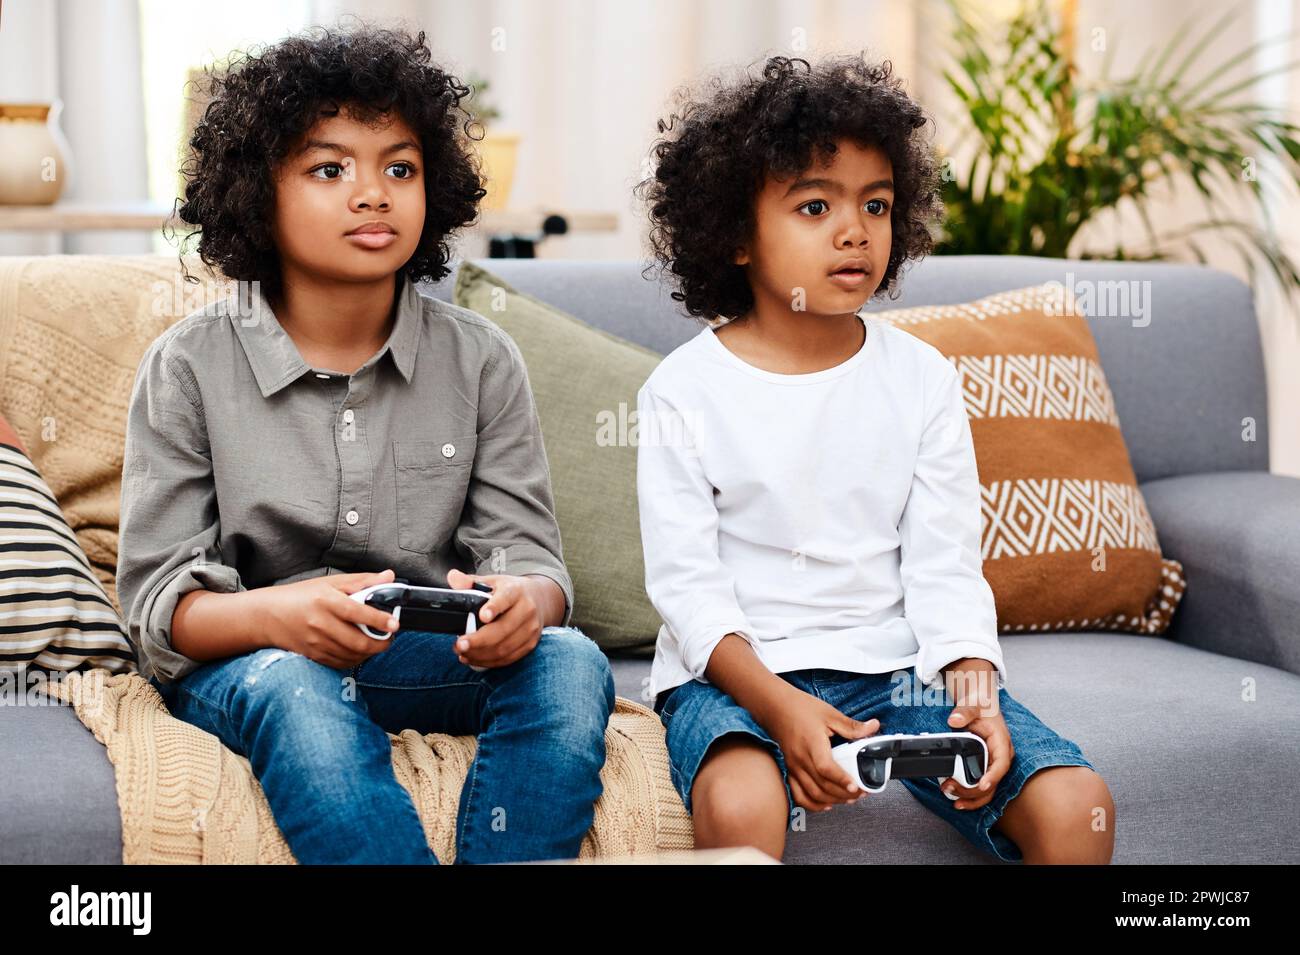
point(1237, 535)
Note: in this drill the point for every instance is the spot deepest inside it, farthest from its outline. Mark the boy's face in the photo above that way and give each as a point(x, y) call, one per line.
point(810, 228)
point(349, 200)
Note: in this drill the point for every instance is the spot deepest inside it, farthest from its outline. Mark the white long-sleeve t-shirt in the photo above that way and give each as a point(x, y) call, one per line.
point(830, 519)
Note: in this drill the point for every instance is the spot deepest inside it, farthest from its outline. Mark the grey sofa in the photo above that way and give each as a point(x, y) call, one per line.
point(1193, 731)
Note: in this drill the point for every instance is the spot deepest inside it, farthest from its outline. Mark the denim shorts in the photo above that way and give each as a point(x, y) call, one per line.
point(695, 714)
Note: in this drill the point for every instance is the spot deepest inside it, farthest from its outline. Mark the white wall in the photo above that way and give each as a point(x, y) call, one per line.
point(86, 54)
point(583, 81)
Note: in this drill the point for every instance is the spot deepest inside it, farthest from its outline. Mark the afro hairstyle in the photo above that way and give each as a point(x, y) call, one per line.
point(264, 100)
point(717, 149)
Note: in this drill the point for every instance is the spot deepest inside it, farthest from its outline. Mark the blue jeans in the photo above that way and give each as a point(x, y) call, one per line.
point(695, 714)
point(316, 738)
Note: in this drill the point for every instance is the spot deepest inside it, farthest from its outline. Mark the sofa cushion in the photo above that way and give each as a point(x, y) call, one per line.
point(66, 813)
point(585, 383)
point(1067, 541)
point(56, 615)
point(72, 332)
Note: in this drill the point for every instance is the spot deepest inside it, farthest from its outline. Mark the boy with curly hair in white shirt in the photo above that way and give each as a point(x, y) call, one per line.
point(810, 505)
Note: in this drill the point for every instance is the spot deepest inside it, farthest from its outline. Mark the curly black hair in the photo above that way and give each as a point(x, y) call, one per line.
point(266, 98)
point(718, 150)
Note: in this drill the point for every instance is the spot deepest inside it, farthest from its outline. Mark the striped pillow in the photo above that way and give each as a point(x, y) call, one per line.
point(1067, 541)
point(54, 613)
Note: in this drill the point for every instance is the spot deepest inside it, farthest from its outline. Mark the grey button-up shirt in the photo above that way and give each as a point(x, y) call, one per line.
point(245, 467)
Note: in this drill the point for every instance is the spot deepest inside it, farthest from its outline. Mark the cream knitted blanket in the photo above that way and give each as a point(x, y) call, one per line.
point(186, 798)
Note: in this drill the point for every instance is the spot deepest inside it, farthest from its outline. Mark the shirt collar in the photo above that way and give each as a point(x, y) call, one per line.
point(275, 359)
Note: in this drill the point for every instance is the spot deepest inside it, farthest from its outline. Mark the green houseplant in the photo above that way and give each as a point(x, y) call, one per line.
point(1052, 153)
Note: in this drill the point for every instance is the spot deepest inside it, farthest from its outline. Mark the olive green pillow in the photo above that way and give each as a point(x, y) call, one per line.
point(585, 382)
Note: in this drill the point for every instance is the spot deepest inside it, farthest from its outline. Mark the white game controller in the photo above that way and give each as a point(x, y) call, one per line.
point(874, 760)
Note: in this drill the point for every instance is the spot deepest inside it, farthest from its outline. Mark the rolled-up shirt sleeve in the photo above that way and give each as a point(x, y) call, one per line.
point(508, 524)
point(686, 581)
point(169, 531)
point(947, 601)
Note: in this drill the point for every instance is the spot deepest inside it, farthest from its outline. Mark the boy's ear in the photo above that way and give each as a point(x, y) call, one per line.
point(741, 256)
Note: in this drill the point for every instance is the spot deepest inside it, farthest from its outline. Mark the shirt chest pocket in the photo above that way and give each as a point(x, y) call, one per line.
point(432, 479)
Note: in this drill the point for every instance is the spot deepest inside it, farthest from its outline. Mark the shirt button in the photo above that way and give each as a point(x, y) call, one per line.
point(448, 450)
point(352, 517)
point(348, 416)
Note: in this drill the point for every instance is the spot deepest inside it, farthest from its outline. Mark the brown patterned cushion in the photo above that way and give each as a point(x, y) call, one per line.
point(1067, 541)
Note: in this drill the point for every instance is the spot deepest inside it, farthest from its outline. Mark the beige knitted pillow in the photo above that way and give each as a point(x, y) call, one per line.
point(72, 331)
point(1067, 541)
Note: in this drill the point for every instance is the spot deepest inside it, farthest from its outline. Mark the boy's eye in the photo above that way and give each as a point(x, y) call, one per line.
point(820, 209)
point(407, 169)
point(881, 207)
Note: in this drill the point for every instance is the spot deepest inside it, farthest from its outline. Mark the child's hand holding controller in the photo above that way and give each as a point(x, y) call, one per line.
point(511, 620)
point(315, 618)
point(978, 710)
point(803, 726)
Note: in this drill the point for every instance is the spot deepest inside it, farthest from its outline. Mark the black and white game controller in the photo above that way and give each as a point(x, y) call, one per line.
point(874, 760)
point(431, 609)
